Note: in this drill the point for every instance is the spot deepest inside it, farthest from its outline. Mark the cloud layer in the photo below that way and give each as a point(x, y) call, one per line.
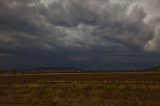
point(80, 25)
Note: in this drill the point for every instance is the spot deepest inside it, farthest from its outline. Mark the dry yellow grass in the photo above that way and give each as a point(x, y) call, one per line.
point(79, 94)
point(80, 89)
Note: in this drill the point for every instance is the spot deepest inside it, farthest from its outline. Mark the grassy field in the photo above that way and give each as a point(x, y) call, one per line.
point(80, 89)
point(109, 77)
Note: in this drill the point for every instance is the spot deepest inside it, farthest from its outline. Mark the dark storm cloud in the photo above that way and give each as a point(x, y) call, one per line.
point(80, 26)
point(72, 24)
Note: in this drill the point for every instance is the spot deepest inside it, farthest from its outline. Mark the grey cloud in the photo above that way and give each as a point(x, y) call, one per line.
point(5, 54)
point(78, 25)
point(152, 19)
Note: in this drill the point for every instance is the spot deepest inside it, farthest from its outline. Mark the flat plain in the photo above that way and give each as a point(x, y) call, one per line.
point(81, 89)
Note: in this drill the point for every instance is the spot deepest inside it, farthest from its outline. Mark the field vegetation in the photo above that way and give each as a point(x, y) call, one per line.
point(105, 89)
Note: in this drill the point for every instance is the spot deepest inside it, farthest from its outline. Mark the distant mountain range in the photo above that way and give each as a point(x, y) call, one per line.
point(107, 68)
point(155, 67)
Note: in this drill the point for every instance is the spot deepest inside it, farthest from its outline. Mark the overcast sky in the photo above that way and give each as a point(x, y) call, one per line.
point(90, 34)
